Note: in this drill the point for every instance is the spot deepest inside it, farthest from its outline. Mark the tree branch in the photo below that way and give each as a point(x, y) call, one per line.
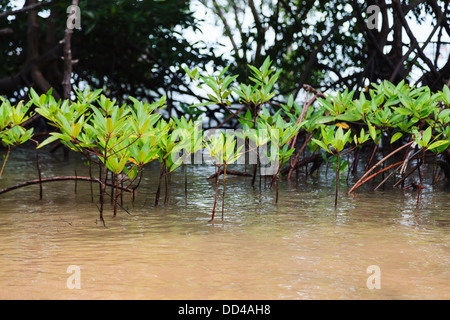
point(65, 178)
point(313, 57)
point(414, 42)
point(26, 8)
point(67, 77)
point(6, 31)
point(411, 49)
point(228, 33)
point(259, 29)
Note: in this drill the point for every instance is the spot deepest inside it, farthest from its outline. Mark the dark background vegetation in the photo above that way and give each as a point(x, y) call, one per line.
point(138, 48)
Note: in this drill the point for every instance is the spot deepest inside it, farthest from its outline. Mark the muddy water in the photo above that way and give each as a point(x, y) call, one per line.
point(300, 249)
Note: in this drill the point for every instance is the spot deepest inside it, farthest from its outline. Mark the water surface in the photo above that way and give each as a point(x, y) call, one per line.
point(299, 249)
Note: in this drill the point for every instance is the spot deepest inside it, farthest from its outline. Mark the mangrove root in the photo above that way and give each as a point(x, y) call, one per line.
point(38, 181)
point(230, 172)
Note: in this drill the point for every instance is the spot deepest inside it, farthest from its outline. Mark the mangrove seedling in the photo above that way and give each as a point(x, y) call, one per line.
point(104, 132)
point(190, 134)
point(12, 133)
point(334, 141)
point(280, 133)
point(425, 142)
point(222, 149)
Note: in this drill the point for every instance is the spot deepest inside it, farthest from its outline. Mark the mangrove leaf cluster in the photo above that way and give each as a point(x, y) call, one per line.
point(388, 120)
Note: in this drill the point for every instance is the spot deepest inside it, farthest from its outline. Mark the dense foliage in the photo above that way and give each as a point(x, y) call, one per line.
point(135, 52)
point(137, 48)
point(123, 47)
point(123, 139)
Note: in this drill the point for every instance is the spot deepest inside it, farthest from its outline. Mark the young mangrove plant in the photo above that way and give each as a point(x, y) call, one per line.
point(393, 116)
point(280, 135)
point(169, 148)
point(334, 141)
point(426, 142)
point(105, 133)
point(253, 96)
point(399, 126)
point(190, 134)
point(12, 133)
point(223, 152)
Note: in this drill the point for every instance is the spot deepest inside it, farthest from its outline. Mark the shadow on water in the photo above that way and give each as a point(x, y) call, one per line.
point(300, 248)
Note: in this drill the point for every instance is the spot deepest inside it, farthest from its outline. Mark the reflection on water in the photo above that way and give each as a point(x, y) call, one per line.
point(300, 249)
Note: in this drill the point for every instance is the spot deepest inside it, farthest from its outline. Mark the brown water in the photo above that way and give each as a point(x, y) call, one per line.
point(300, 249)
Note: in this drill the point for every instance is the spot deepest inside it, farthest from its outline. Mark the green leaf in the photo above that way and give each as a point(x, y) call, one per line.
point(34, 96)
point(62, 121)
point(121, 164)
point(392, 101)
point(327, 104)
point(255, 71)
point(437, 144)
point(290, 102)
point(266, 64)
point(396, 136)
point(444, 114)
point(54, 136)
point(372, 131)
point(325, 119)
point(321, 144)
point(339, 145)
point(446, 92)
point(112, 164)
point(349, 117)
point(427, 135)
point(223, 72)
point(403, 111)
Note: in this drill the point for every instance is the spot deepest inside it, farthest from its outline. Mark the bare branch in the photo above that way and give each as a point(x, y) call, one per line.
point(319, 48)
point(26, 8)
point(228, 32)
point(413, 39)
point(6, 31)
point(259, 29)
point(411, 49)
point(65, 178)
point(67, 77)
